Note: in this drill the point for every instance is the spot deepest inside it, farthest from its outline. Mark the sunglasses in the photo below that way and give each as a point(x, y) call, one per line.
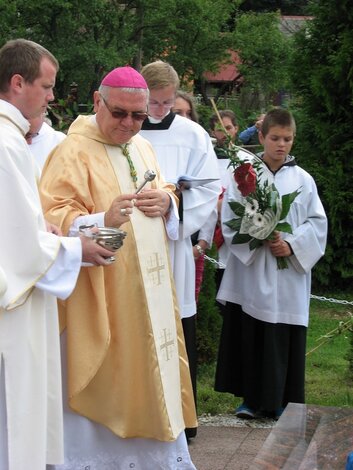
point(122, 114)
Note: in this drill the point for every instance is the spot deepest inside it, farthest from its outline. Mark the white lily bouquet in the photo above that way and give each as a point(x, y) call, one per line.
point(262, 210)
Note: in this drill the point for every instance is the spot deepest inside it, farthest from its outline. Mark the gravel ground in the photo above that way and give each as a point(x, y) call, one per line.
point(233, 421)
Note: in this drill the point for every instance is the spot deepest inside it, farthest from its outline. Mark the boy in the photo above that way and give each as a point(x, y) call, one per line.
point(262, 346)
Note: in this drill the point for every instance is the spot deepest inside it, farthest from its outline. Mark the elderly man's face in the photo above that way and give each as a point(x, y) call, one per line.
point(118, 127)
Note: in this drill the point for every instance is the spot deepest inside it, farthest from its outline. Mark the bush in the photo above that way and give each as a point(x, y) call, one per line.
point(322, 79)
point(209, 320)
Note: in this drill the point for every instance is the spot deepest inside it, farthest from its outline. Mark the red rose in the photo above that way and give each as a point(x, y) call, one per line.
point(245, 177)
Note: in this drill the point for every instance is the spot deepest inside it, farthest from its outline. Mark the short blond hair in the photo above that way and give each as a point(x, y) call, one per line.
point(160, 74)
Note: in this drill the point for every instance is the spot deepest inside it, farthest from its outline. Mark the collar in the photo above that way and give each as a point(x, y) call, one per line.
point(289, 161)
point(163, 125)
point(13, 114)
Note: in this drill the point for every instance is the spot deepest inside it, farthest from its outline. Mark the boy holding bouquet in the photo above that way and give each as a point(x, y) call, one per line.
point(262, 346)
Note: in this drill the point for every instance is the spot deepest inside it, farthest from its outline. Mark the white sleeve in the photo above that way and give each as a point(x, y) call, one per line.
point(308, 240)
point(89, 219)
point(207, 230)
point(199, 202)
point(3, 282)
point(60, 279)
point(172, 222)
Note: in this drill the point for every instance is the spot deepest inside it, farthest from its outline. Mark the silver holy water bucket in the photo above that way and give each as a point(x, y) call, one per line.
point(110, 237)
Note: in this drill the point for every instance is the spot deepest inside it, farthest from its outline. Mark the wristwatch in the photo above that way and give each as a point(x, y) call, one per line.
point(199, 249)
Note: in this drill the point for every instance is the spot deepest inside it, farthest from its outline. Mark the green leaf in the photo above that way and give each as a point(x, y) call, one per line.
point(284, 227)
point(237, 208)
point(241, 238)
point(272, 197)
point(234, 224)
point(282, 262)
point(237, 224)
point(254, 243)
point(287, 200)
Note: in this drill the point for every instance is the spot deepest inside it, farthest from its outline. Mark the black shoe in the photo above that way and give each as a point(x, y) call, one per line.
point(245, 412)
point(190, 433)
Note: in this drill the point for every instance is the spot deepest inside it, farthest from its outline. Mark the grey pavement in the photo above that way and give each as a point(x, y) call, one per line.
point(226, 447)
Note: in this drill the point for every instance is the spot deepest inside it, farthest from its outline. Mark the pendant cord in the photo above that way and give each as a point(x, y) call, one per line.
point(133, 172)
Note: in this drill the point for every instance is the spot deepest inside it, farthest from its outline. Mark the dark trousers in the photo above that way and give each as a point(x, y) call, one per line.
point(264, 363)
point(189, 328)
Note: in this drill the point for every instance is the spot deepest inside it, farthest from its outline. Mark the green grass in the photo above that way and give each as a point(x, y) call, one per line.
point(328, 381)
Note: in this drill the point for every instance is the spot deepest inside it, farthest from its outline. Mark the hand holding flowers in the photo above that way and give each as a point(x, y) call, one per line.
point(278, 246)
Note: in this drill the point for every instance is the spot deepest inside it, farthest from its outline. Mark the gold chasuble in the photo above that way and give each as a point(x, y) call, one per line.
point(127, 364)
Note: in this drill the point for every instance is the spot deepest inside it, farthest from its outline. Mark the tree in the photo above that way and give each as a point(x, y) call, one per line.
point(286, 7)
point(264, 52)
point(322, 76)
point(84, 35)
point(90, 37)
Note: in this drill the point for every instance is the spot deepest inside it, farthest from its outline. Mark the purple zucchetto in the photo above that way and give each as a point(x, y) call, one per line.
point(124, 77)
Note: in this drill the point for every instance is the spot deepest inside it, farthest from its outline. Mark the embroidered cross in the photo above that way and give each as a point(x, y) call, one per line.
point(155, 268)
point(167, 343)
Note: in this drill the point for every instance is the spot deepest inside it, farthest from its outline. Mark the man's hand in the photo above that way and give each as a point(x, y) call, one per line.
point(94, 253)
point(199, 249)
point(120, 210)
point(52, 228)
point(153, 202)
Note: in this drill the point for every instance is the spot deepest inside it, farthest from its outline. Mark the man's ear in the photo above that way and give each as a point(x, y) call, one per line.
point(17, 82)
point(261, 137)
point(96, 100)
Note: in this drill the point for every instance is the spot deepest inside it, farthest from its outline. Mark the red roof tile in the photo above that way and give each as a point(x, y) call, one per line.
point(227, 72)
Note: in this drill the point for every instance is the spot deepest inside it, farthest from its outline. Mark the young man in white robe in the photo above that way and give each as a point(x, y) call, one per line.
point(183, 148)
point(262, 346)
point(128, 396)
point(37, 265)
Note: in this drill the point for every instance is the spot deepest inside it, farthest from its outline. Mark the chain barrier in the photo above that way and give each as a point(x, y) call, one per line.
point(214, 261)
point(333, 301)
point(312, 296)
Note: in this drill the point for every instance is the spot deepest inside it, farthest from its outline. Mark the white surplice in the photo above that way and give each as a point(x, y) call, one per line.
point(43, 143)
point(30, 382)
point(3, 282)
point(283, 295)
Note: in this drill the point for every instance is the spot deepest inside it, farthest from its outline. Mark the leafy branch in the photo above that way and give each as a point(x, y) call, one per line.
point(341, 328)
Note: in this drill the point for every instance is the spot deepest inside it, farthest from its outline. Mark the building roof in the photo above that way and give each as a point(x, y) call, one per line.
point(227, 72)
point(291, 24)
